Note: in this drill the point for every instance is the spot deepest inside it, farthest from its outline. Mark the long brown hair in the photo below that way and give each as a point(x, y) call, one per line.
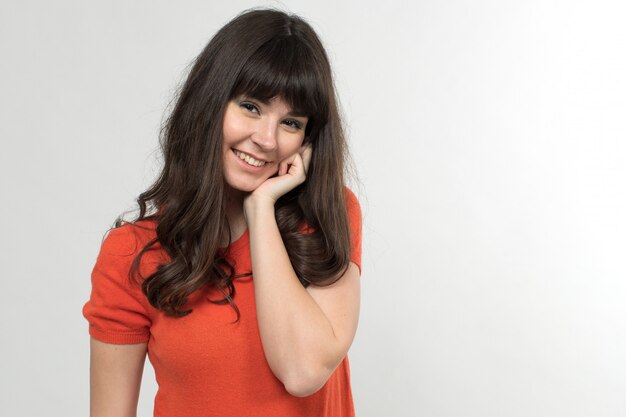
point(262, 54)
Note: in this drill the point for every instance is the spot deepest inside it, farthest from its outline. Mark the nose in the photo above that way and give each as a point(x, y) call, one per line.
point(265, 136)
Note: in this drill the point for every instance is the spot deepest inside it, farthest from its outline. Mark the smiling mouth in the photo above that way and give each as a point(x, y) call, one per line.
point(248, 159)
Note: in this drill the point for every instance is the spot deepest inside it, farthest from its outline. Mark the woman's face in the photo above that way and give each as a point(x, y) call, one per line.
point(257, 136)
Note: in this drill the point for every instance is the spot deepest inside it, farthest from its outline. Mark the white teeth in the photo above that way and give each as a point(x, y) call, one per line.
point(250, 160)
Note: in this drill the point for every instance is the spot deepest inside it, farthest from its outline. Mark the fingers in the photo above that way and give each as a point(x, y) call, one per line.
point(291, 172)
point(299, 160)
point(283, 167)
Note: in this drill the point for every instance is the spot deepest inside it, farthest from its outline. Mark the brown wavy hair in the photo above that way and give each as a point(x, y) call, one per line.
point(262, 54)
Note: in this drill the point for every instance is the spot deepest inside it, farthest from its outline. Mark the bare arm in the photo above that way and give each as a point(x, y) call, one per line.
point(115, 378)
point(305, 332)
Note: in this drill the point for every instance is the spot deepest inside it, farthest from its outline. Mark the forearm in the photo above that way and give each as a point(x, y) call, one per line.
point(298, 339)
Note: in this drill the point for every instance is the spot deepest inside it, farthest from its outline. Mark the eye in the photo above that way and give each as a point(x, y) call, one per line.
point(249, 106)
point(294, 124)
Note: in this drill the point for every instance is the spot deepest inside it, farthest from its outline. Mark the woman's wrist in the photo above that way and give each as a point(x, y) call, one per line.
point(256, 207)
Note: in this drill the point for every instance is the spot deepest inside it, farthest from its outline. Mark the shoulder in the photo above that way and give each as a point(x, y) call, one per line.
point(128, 239)
point(117, 269)
point(123, 244)
point(355, 223)
point(353, 207)
point(117, 310)
point(350, 196)
point(352, 201)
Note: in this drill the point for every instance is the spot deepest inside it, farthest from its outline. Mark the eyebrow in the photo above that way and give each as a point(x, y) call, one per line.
point(292, 113)
point(297, 113)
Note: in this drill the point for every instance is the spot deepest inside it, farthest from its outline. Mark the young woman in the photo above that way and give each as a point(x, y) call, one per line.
point(240, 276)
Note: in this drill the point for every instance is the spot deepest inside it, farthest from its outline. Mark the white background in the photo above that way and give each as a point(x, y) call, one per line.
point(490, 142)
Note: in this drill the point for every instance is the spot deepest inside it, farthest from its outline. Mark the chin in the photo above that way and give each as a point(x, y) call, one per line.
point(243, 187)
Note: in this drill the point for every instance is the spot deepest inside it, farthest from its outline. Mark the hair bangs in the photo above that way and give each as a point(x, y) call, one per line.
point(282, 68)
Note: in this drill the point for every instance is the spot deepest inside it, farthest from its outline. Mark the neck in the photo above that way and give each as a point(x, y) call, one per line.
point(234, 213)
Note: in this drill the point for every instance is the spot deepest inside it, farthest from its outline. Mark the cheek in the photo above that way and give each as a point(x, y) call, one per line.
point(291, 147)
point(233, 128)
point(228, 134)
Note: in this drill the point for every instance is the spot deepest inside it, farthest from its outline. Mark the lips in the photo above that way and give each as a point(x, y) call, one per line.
point(249, 159)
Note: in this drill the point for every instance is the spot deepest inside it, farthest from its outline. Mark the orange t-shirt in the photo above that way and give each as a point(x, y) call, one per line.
point(205, 363)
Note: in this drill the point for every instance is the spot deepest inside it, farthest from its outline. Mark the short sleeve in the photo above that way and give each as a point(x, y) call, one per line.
point(117, 309)
point(355, 222)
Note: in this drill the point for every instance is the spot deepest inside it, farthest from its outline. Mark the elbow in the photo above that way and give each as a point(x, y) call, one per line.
point(305, 382)
point(302, 389)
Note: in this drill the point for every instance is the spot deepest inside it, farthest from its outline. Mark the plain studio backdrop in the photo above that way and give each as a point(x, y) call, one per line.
point(489, 137)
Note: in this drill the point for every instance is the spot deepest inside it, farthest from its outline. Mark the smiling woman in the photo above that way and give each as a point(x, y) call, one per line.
point(240, 277)
point(257, 137)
